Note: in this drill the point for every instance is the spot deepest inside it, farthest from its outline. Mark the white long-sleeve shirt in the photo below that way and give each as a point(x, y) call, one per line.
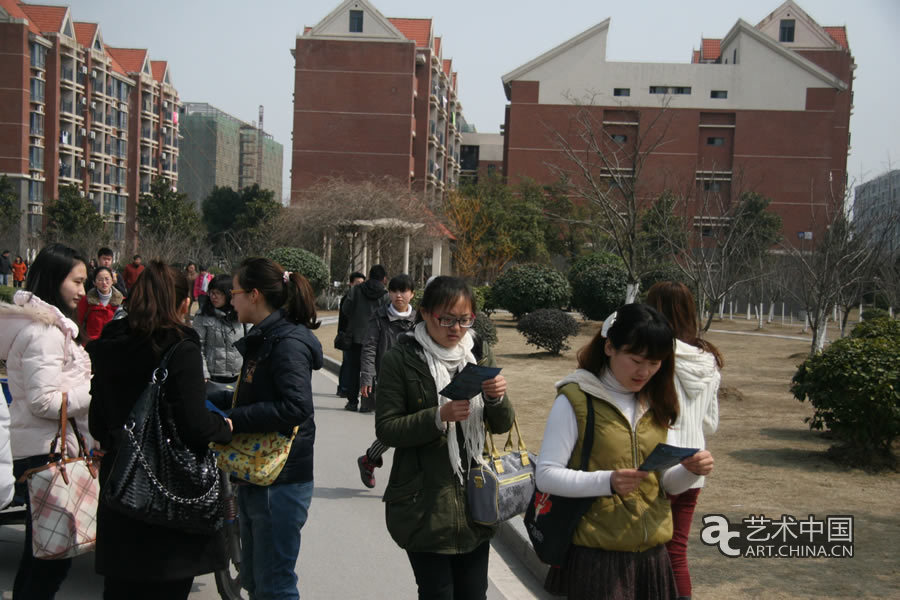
point(553, 475)
point(697, 381)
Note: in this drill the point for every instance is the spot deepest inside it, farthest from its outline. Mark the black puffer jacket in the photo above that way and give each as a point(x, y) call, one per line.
point(123, 364)
point(361, 304)
point(275, 390)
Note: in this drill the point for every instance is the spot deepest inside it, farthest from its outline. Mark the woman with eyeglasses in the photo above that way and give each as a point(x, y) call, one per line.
point(217, 324)
point(436, 441)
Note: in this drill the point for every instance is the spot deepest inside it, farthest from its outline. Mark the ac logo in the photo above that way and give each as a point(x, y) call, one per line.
point(716, 532)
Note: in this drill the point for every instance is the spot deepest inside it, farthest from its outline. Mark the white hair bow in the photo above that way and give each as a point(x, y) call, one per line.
point(607, 324)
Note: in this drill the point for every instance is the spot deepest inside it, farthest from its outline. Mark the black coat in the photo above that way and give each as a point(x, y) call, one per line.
point(362, 302)
point(123, 365)
point(275, 390)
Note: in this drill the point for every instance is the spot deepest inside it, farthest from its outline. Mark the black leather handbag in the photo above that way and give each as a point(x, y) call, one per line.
point(155, 477)
point(551, 520)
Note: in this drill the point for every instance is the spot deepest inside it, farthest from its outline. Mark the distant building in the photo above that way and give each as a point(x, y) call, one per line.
point(765, 109)
point(876, 206)
point(480, 154)
point(374, 97)
point(76, 111)
point(219, 150)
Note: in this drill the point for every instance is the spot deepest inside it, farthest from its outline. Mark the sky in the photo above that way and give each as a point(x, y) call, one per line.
point(235, 55)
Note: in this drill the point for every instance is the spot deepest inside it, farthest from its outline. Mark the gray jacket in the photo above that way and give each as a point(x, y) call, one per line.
point(217, 338)
point(381, 335)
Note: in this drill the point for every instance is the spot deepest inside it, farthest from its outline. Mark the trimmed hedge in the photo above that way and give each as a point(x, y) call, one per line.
point(598, 284)
point(484, 295)
point(304, 262)
point(854, 386)
point(548, 328)
point(526, 288)
point(485, 328)
point(6, 293)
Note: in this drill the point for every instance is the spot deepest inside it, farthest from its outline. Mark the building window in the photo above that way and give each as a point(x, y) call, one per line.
point(621, 91)
point(681, 90)
point(733, 56)
point(35, 157)
point(38, 56)
point(659, 89)
point(619, 138)
point(37, 90)
point(356, 21)
point(35, 224)
point(722, 94)
point(715, 141)
point(712, 186)
point(36, 191)
point(786, 33)
point(37, 124)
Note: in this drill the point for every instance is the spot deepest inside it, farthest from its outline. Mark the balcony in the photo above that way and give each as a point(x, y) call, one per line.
point(67, 74)
point(65, 170)
point(146, 134)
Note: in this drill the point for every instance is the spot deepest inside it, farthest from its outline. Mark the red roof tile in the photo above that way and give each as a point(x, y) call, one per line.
point(447, 67)
point(437, 46)
point(116, 66)
point(695, 57)
point(15, 11)
point(46, 18)
point(84, 33)
point(712, 49)
point(838, 34)
point(417, 30)
point(158, 67)
point(130, 59)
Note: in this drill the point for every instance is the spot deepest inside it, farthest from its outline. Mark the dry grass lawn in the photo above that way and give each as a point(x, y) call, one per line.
point(768, 463)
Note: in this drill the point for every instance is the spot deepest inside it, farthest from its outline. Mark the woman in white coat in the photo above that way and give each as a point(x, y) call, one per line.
point(38, 341)
point(697, 377)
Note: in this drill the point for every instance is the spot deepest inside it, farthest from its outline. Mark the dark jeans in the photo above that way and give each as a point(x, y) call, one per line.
point(122, 589)
point(271, 518)
point(36, 579)
point(352, 359)
point(452, 576)
point(342, 376)
point(682, 514)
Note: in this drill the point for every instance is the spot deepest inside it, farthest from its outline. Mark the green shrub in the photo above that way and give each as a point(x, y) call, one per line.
point(598, 284)
point(853, 386)
point(304, 262)
point(6, 293)
point(526, 288)
point(485, 328)
point(548, 328)
point(874, 314)
point(877, 328)
point(662, 272)
point(484, 295)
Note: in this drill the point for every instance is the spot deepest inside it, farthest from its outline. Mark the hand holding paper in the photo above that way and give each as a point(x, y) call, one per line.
point(665, 456)
point(468, 382)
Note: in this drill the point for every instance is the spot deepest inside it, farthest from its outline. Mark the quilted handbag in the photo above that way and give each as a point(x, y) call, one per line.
point(155, 477)
point(503, 487)
point(551, 520)
point(63, 494)
point(256, 458)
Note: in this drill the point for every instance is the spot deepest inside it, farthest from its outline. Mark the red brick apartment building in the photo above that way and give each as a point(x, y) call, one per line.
point(766, 109)
point(76, 111)
point(373, 96)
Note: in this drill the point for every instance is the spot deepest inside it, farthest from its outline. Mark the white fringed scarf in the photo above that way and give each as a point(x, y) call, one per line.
point(443, 364)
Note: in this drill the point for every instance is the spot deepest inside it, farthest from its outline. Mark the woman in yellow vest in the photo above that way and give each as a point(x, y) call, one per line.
point(618, 549)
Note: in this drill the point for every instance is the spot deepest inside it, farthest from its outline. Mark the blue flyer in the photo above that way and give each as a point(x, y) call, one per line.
point(467, 383)
point(665, 456)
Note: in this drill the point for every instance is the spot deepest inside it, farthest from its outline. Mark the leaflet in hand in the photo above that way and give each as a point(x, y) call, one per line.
point(467, 383)
point(215, 409)
point(665, 456)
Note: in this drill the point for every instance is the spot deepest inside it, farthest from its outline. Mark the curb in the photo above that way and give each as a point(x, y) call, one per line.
point(332, 365)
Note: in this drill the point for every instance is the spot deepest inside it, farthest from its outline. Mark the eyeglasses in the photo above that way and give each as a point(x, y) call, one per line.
point(237, 291)
point(464, 322)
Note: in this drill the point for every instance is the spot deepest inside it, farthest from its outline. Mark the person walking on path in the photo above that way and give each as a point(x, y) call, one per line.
point(361, 304)
point(342, 342)
point(99, 305)
point(44, 361)
point(275, 394)
point(625, 377)
point(132, 271)
point(5, 268)
point(105, 259)
point(142, 561)
point(385, 327)
point(19, 270)
point(697, 378)
point(436, 441)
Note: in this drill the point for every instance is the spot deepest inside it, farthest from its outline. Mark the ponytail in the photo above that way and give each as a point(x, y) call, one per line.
point(281, 289)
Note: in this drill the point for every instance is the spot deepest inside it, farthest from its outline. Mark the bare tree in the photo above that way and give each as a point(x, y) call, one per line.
point(606, 166)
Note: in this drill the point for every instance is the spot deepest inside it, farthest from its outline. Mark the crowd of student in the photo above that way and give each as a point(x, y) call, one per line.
point(646, 378)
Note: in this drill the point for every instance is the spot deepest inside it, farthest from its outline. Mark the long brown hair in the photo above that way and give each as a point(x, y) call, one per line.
point(675, 301)
point(293, 294)
point(639, 329)
point(154, 298)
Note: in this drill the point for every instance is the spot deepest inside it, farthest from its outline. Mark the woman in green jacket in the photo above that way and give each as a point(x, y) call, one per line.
point(436, 441)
